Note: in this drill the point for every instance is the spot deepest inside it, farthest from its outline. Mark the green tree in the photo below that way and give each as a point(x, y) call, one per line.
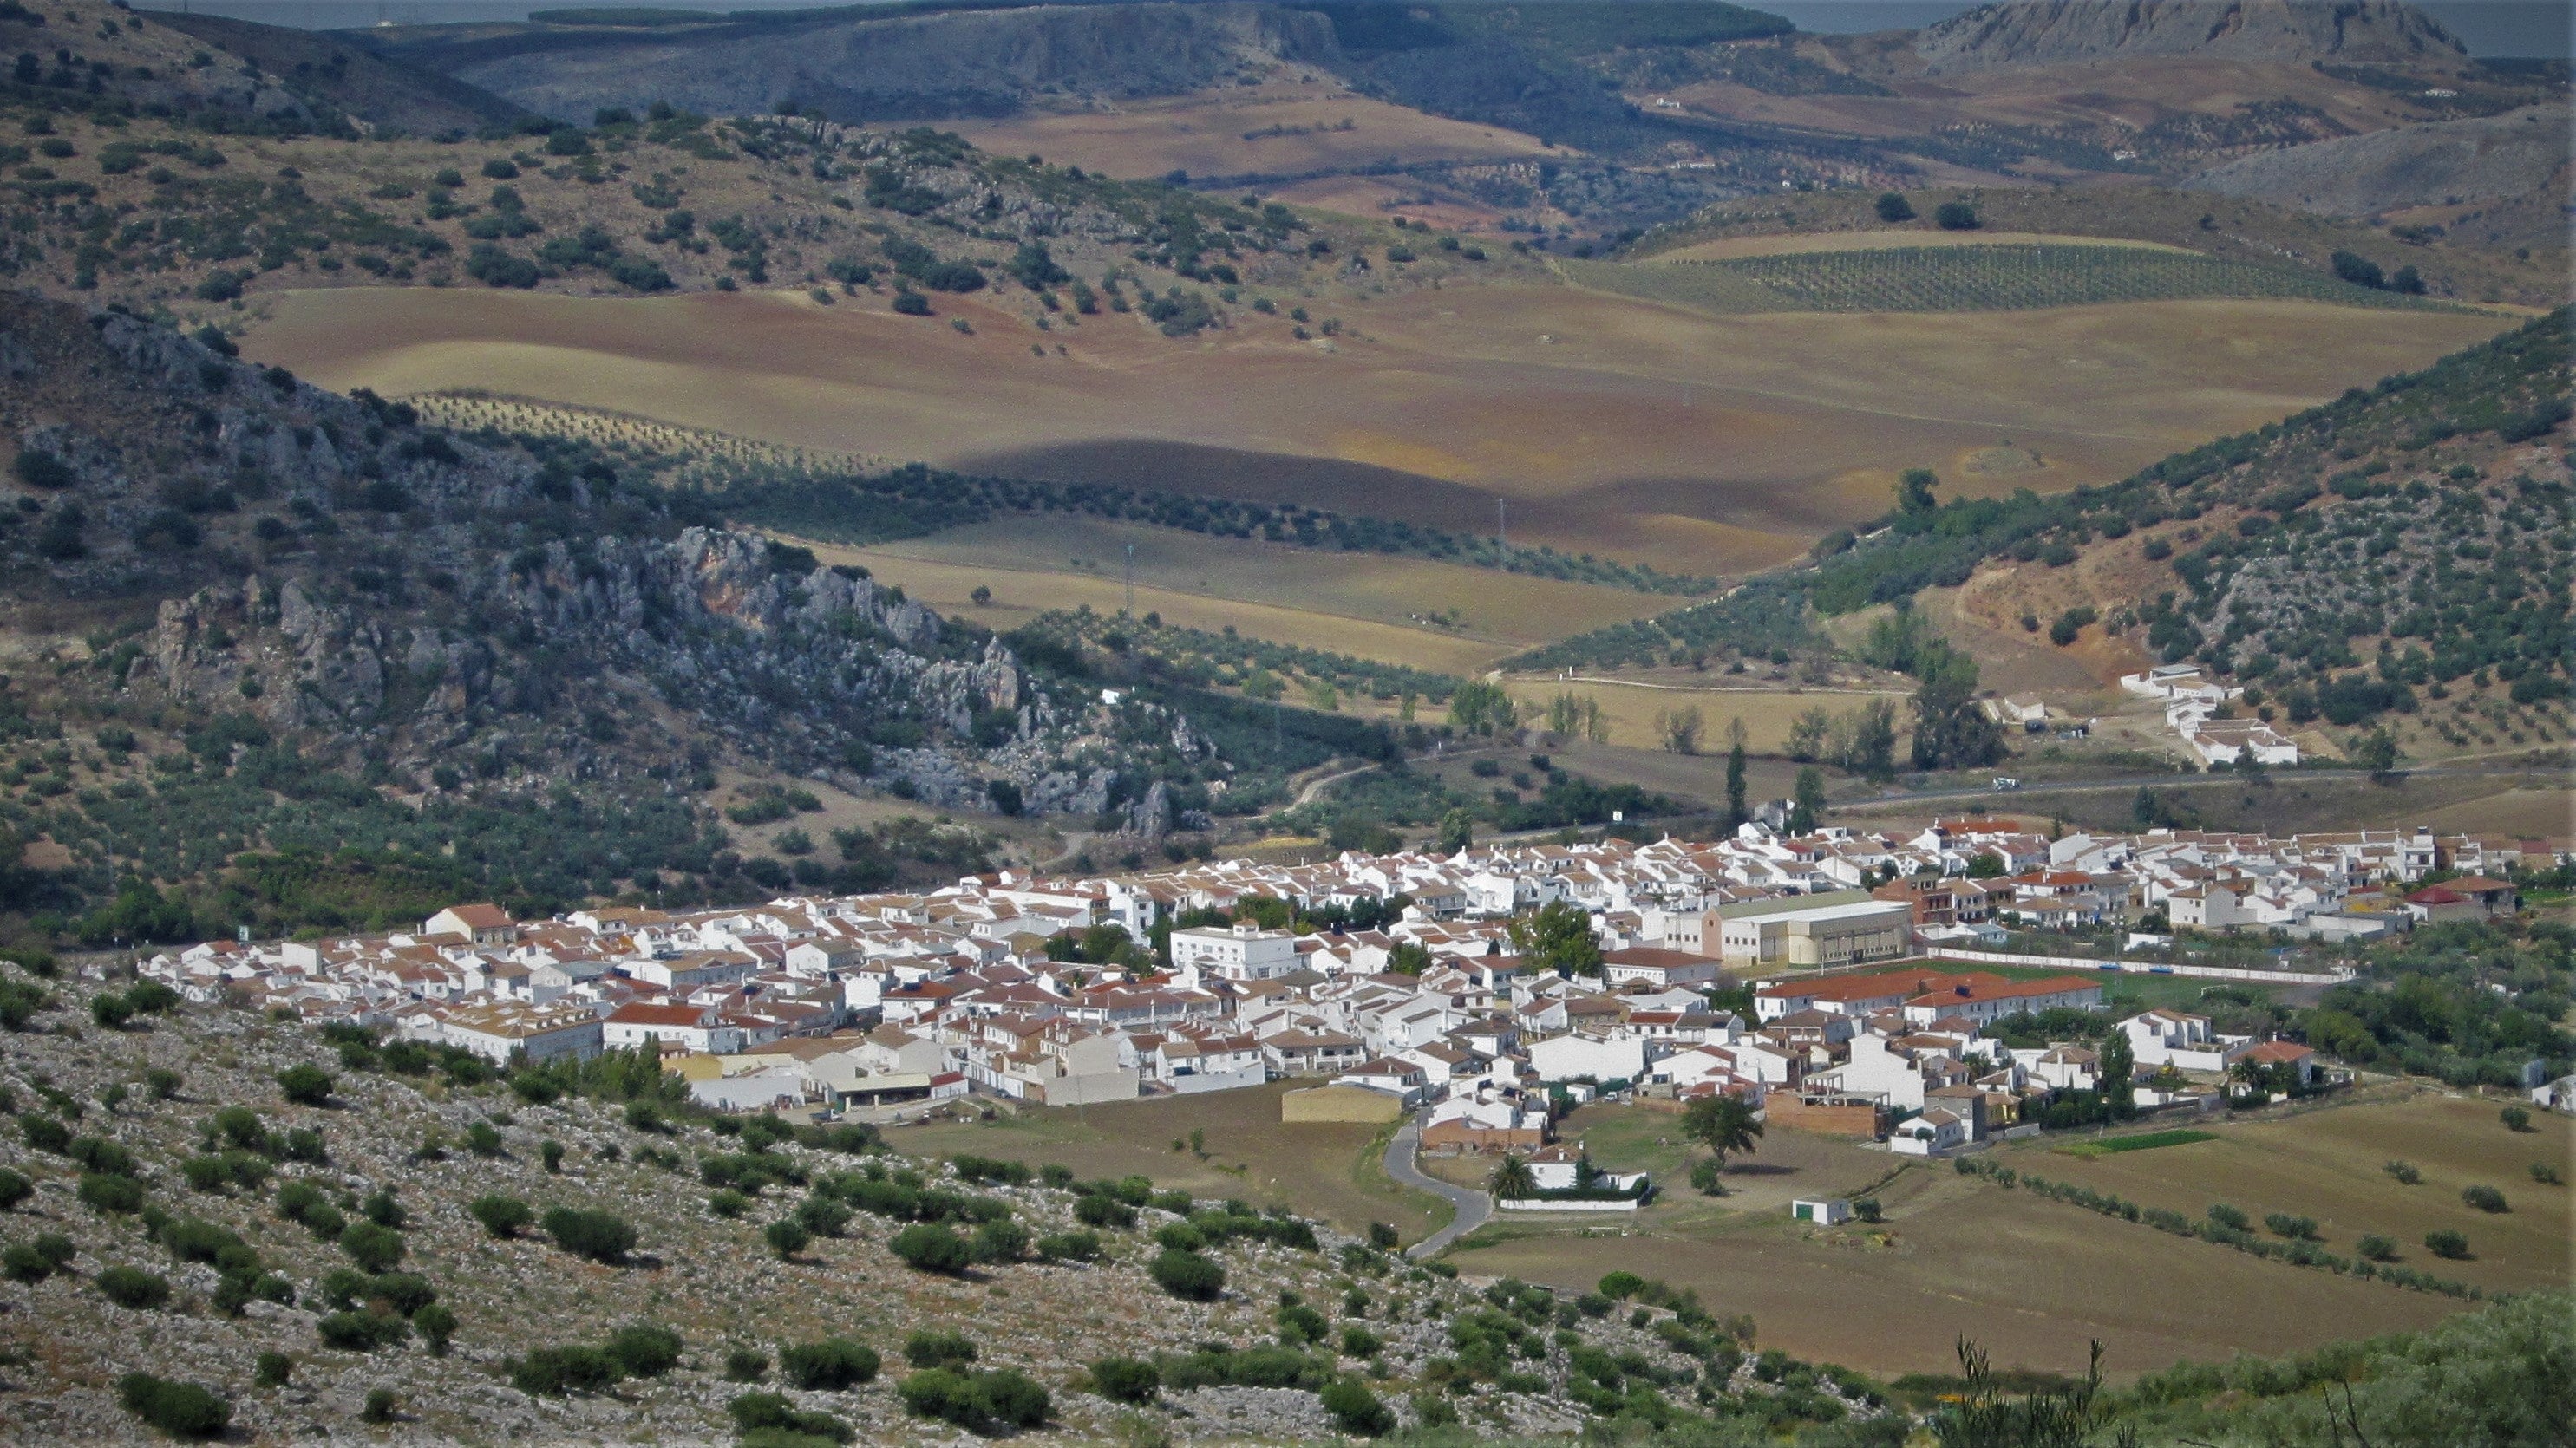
point(1950, 731)
point(2376, 751)
point(1807, 734)
point(306, 1085)
point(1914, 490)
point(1557, 936)
point(1678, 729)
point(1893, 208)
point(1723, 1124)
point(502, 1216)
point(1512, 1180)
point(2118, 1074)
point(1188, 1275)
point(1807, 800)
point(1457, 830)
point(1735, 738)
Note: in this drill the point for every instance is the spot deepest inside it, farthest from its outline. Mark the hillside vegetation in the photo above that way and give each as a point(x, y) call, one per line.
point(1964, 279)
point(2392, 552)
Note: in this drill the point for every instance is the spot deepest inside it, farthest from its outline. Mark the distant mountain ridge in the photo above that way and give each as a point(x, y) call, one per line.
point(2044, 32)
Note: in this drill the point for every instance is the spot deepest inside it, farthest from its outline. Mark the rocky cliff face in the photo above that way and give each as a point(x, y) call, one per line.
point(219, 540)
point(2046, 32)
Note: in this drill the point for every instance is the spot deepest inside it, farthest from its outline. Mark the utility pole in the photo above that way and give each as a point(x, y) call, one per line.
point(1131, 580)
point(1503, 522)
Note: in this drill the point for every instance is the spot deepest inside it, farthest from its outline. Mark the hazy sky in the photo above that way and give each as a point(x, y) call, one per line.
point(2487, 27)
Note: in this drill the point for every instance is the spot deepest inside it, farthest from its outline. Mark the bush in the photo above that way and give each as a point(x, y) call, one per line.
point(2515, 1118)
point(133, 1287)
point(182, 1410)
point(1893, 207)
point(2405, 1172)
point(644, 1349)
point(552, 1372)
point(1069, 1247)
point(2376, 1248)
point(833, 1365)
point(2450, 1246)
point(1126, 1380)
point(272, 1370)
point(2232, 1218)
point(306, 1085)
point(598, 1235)
point(502, 1216)
point(787, 1237)
point(1955, 216)
point(929, 1247)
point(1188, 1276)
point(771, 1420)
point(728, 1203)
point(22, 1263)
point(361, 1331)
point(1355, 1409)
point(938, 1348)
point(1620, 1286)
point(2484, 1198)
point(121, 1195)
point(746, 1365)
point(976, 1401)
point(14, 1189)
point(436, 1324)
point(1358, 1341)
point(373, 1247)
point(1101, 1211)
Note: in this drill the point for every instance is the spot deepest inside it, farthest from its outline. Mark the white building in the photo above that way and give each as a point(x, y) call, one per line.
point(498, 1031)
point(1562, 1058)
point(1241, 952)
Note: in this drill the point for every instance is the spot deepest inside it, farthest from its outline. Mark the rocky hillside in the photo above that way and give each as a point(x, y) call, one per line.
point(297, 1228)
point(248, 618)
point(2057, 32)
point(857, 67)
point(2446, 163)
point(337, 78)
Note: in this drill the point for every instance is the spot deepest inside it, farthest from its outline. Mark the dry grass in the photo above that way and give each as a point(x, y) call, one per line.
point(1501, 610)
point(1631, 708)
point(1696, 443)
point(1324, 1170)
point(1799, 244)
point(1281, 127)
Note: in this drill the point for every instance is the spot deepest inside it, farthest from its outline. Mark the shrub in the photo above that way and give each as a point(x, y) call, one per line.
point(2229, 1217)
point(1126, 1380)
point(373, 1247)
point(2404, 1171)
point(2484, 1198)
point(833, 1365)
point(1867, 1209)
point(746, 1365)
point(120, 1195)
point(502, 1216)
point(22, 1263)
point(1001, 1240)
point(2515, 1118)
point(436, 1324)
point(728, 1203)
point(976, 1401)
point(182, 1410)
point(1355, 1409)
point(1100, 1211)
point(2450, 1246)
point(305, 1085)
point(1188, 1276)
point(361, 1331)
point(598, 1235)
point(1358, 1341)
point(133, 1287)
point(787, 1237)
point(2282, 1224)
point(822, 1216)
point(644, 1349)
point(938, 1348)
point(2376, 1248)
point(271, 1370)
point(771, 1420)
point(929, 1247)
point(552, 1372)
point(15, 1188)
point(1620, 1286)
point(1955, 216)
point(1069, 1247)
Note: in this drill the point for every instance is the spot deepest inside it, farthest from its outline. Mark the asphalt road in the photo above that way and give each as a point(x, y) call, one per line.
point(2216, 780)
point(1473, 1206)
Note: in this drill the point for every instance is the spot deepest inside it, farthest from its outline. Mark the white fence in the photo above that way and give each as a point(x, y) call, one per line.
point(2206, 972)
point(1544, 1204)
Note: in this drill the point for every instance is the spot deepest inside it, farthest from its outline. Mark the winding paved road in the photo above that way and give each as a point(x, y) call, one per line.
point(1473, 1206)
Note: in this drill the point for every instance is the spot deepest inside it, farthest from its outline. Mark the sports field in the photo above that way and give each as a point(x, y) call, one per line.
point(1609, 425)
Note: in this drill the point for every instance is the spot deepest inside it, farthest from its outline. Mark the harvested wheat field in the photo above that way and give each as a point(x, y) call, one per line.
point(1282, 127)
point(1326, 1170)
point(1612, 426)
point(1501, 611)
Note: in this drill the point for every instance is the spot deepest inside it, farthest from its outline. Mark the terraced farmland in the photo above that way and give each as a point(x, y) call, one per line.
point(2010, 277)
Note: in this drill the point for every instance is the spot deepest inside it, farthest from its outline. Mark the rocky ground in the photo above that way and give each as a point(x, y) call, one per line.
point(64, 1345)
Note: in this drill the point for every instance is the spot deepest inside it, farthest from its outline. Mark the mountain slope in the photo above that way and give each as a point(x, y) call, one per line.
point(2482, 158)
point(2046, 32)
point(333, 75)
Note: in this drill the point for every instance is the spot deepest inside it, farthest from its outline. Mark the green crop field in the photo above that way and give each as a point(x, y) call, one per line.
point(2011, 277)
point(2144, 1141)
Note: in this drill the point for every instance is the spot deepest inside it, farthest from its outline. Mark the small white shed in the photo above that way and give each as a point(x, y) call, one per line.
point(1824, 1211)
